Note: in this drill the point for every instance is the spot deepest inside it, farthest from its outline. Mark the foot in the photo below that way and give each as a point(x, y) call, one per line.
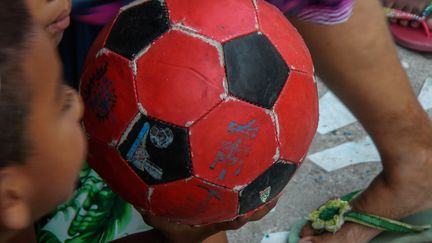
point(395, 193)
point(410, 6)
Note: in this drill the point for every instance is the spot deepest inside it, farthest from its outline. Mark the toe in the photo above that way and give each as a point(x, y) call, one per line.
point(429, 22)
point(404, 23)
point(352, 233)
point(309, 239)
point(414, 24)
point(307, 231)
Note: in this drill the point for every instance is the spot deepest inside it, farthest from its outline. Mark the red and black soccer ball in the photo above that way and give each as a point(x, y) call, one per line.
point(198, 110)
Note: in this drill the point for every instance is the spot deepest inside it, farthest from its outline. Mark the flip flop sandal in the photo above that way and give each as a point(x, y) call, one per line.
point(419, 39)
point(333, 214)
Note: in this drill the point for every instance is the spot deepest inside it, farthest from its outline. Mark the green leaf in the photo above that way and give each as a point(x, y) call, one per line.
point(384, 223)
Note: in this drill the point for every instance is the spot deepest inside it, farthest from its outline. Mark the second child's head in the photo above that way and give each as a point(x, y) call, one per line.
point(42, 145)
point(53, 15)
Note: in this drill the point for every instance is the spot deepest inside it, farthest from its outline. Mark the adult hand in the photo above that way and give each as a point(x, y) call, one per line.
point(174, 232)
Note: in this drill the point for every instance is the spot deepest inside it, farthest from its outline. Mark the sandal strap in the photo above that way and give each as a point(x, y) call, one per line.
point(334, 213)
point(402, 15)
point(384, 224)
point(428, 10)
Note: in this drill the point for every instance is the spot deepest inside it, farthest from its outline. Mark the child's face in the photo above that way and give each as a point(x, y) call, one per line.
point(57, 143)
point(53, 15)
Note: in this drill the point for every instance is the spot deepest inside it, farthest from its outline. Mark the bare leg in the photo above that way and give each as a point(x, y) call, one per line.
point(358, 61)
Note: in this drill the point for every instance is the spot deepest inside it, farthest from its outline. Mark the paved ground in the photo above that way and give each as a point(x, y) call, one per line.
point(312, 185)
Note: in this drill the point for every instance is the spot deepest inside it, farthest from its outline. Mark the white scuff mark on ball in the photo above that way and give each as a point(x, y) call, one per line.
point(186, 29)
point(101, 52)
point(314, 78)
point(212, 184)
point(113, 143)
point(132, 4)
point(276, 157)
point(192, 155)
point(230, 98)
point(142, 109)
point(143, 51)
point(257, 23)
point(255, 5)
point(286, 162)
point(275, 121)
point(303, 158)
point(150, 193)
point(254, 2)
point(225, 85)
point(219, 48)
point(239, 188)
point(133, 67)
point(195, 33)
point(129, 128)
point(223, 96)
point(189, 124)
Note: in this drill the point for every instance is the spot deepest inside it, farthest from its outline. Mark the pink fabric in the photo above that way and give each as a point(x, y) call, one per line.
point(100, 15)
point(317, 11)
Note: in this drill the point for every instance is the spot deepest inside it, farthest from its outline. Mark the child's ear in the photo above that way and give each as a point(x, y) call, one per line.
point(15, 211)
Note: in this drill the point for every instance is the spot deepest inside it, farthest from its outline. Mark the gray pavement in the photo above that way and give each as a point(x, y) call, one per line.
point(311, 186)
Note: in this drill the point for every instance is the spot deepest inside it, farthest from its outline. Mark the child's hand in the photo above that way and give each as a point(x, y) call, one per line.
point(174, 232)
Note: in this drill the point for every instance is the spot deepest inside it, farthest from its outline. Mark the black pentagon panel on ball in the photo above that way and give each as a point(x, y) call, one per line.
point(266, 186)
point(158, 152)
point(137, 27)
point(256, 72)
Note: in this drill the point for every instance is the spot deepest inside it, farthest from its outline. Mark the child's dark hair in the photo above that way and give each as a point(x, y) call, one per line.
point(15, 29)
